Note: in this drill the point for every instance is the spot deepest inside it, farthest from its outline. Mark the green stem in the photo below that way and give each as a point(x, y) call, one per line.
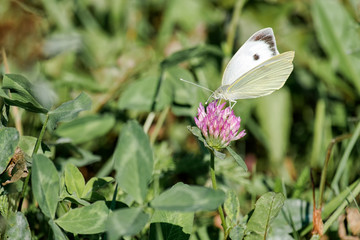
point(213, 180)
point(36, 148)
point(340, 209)
point(323, 173)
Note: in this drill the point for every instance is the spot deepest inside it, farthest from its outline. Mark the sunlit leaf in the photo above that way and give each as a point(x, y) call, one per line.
point(17, 227)
point(22, 93)
point(182, 197)
point(74, 180)
point(267, 207)
point(45, 184)
point(133, 161)
point(85, 220)
point(9, 138)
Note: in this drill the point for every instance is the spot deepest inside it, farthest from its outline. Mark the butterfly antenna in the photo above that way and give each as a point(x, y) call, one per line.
point(205, 88)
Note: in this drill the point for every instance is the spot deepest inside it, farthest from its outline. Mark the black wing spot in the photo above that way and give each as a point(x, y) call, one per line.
point(256, 56)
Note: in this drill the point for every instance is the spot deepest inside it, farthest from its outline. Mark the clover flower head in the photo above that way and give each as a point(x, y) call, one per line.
point(218, 126)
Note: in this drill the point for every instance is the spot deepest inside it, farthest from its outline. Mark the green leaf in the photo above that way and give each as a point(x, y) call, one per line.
point(92, 187)
point(126, 222)
point(185, 198)
point(338, 34)
point(74, 180)
point(232, 206)
point(85, 220)
point(267, 208)
point(167, 231)
point(9, 138)
point(17, 227)
point(69, 110)
point(58, 234)
point(295, 215)
point(45, 184)
point(237, 232)
point(237, 158)
point(86, 128)
point(22, 93)
point(182, 219)
point(133, 161)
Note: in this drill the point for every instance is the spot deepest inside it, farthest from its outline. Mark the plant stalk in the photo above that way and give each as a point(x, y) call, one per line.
point(213, 180)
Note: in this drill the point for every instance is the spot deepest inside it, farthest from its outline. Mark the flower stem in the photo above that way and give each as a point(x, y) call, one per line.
point(213, 180)
point(36, 148)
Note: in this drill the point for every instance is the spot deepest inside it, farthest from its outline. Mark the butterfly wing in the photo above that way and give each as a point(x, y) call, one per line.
point(263, 79)
point(260, 47)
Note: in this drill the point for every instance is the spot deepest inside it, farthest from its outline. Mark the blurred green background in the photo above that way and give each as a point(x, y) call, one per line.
point(124, 54)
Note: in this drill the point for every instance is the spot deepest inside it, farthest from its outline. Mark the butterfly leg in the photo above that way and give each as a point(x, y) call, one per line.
point(233, 103)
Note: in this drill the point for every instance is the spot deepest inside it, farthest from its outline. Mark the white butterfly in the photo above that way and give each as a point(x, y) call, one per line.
point(257, 69)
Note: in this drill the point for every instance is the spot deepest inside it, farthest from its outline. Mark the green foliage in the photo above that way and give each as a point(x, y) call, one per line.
point(69, 110)
point(92, 100)
point(185, 198)
point(85, 220)
point(133, 165)
point(17, 227)
point(126, 222)
point(9, 138)
point(22, 93)
point(45, 184)
point(266, 209)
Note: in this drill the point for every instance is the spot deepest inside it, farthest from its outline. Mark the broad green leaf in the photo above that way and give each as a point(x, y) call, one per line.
point(232, 206)
point(58, 234)
point(86, 128)
point(133, 161)
point(85, 220)
point(17, 227)
point(9, 138)
point(69, 110)
point(267, 208)
point(167, 231)
point(126, 222)
point(45, 184)
point(295, 215)
point(74, 180)
point(22, 93)
point(92, 187)
point(237, 158)
point(185, 198)
point(182, 219)
point(338, 34)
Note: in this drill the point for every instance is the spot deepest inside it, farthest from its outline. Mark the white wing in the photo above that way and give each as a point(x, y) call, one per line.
point(258, 48)
point(263, 79)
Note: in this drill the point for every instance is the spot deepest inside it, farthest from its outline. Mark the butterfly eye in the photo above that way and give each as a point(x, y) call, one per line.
point(256, 57)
